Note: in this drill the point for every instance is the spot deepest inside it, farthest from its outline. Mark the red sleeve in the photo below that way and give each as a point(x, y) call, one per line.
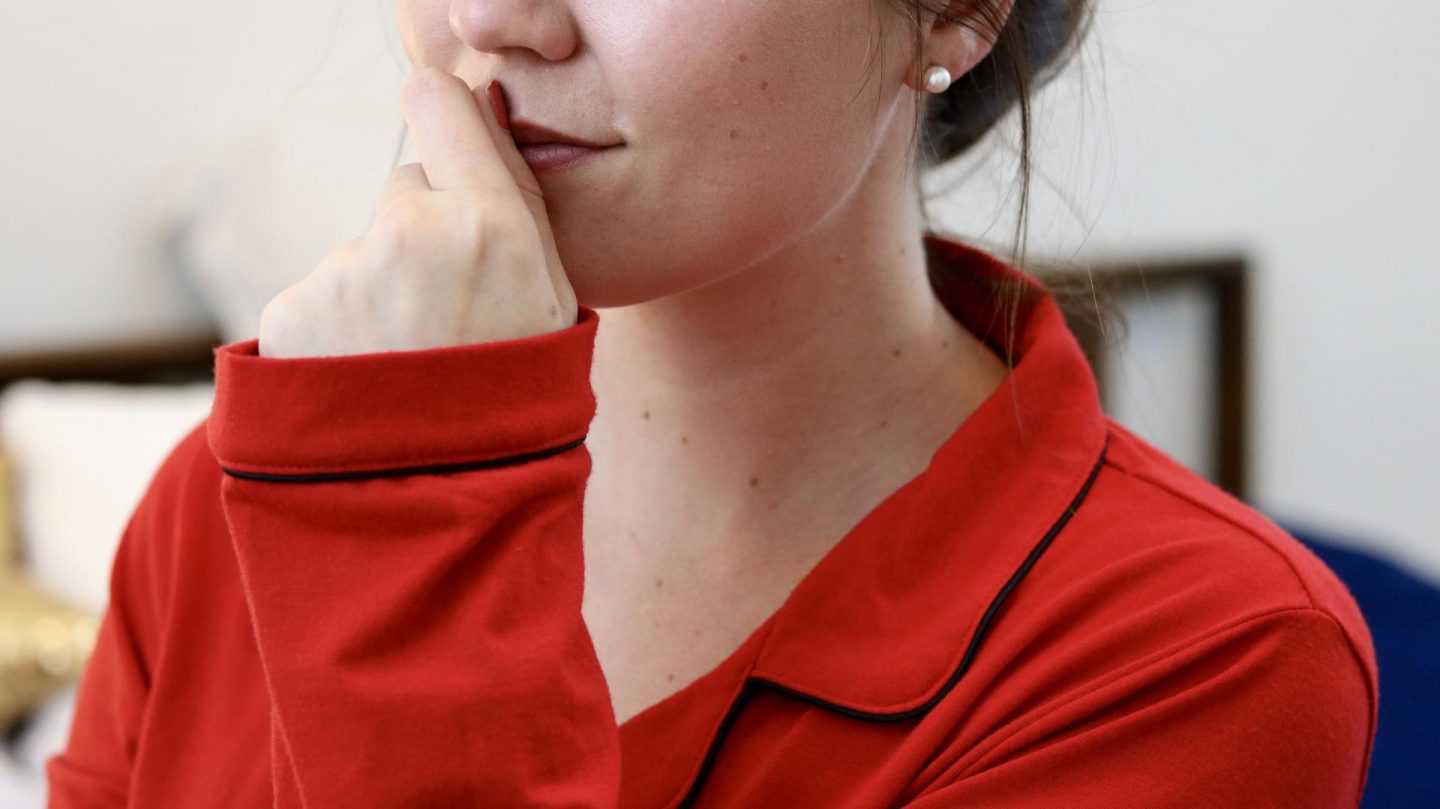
point(93, 770)
point(408, 530)
point(1277, 710)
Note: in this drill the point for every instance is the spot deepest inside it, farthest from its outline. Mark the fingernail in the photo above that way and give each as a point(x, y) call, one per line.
point(497, 103)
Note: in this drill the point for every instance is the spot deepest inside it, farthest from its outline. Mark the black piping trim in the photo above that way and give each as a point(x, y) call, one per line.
point(753, 685)
point(436, 469)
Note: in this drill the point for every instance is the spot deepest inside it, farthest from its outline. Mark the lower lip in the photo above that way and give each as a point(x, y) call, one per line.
point(551, 158)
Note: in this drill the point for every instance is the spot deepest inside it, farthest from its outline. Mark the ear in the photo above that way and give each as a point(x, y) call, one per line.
point(959, 46)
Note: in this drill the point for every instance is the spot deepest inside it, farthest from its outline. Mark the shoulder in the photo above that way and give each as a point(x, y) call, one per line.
point(1157, 560)
point(176, 539)
point(184, 489)
point(1166, 621)
point(1157, 505)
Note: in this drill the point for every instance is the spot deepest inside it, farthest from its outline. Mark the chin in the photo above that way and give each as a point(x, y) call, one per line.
point(609, 292)
point(620, 283)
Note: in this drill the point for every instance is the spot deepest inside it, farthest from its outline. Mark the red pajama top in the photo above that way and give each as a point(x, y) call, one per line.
point(358, 582)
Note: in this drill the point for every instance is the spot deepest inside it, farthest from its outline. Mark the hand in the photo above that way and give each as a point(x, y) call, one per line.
point(460, 250)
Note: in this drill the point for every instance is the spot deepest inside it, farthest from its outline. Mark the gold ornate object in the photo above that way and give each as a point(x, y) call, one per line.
point(9, 545)
point(43, 643)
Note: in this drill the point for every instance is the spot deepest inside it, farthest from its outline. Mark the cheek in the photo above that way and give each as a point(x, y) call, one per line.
point(746, 124)
point(726, 91)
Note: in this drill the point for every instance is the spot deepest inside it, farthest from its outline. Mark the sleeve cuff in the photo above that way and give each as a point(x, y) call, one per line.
point(402, 412)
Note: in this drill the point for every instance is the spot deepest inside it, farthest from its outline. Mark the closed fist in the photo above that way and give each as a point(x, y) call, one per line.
point(460, 250)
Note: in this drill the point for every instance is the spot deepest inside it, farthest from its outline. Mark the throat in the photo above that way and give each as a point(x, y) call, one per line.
point(657, 633)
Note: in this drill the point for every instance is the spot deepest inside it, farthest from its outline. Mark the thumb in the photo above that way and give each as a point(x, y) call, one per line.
point(495, 108)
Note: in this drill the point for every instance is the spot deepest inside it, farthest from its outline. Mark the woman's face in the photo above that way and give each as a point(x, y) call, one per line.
point(743, 123)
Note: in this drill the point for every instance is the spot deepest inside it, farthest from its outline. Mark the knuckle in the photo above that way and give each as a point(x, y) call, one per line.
point(395, 181)
point(404, 221)
point(507, 244)
point(501, 228)
point(343, 268)
point(345, 256)
point(277, 310)
point(480, 234)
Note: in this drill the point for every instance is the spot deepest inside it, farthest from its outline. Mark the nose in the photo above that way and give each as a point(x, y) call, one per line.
point(490, 26)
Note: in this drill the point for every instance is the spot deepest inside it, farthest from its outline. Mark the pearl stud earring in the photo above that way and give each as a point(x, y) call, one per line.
point(937, 79)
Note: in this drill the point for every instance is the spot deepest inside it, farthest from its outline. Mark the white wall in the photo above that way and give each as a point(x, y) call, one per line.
point(109, 105)
point(1299, 134)
point(1305, 136)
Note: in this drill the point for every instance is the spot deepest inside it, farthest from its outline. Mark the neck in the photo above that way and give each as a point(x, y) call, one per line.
point(784, 400)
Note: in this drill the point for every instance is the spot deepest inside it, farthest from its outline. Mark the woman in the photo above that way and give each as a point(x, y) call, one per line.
point(827, 514)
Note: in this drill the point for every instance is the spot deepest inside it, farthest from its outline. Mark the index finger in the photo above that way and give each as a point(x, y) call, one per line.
point(450, 136)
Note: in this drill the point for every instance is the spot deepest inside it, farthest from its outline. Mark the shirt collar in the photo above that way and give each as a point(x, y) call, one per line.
point(890, 618)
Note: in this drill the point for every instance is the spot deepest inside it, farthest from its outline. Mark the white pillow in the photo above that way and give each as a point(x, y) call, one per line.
point(260, 217)
point(84, 453)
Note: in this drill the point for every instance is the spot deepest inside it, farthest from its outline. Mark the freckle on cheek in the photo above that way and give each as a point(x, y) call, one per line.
point(734, 133)
point(742, 57)
point(764, 85)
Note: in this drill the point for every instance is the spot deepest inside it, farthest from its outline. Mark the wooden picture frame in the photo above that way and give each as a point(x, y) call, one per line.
point(179, 359)
point(1224, 283)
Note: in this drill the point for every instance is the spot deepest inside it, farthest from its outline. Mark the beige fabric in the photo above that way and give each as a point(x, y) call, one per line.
point(43, 644)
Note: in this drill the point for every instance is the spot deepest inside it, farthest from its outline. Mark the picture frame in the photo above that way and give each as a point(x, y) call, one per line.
point(1176, 371)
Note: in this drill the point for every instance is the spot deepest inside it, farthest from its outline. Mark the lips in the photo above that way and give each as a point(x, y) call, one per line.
point(547, 158)
point(527, 133)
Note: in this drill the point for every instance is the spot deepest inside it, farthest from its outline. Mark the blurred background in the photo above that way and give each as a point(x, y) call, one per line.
point(1253, 191)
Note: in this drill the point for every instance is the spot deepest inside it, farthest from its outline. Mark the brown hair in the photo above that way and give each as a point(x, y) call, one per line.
point(1030, 46)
